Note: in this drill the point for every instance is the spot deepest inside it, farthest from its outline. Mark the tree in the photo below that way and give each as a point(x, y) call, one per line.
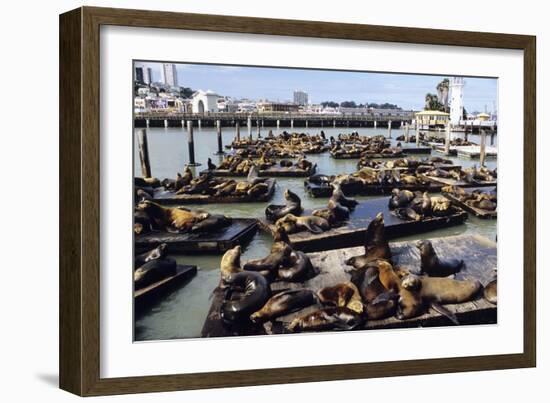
point(348, 104)
point(432, 103)
point(330, 104)
point(443, 93)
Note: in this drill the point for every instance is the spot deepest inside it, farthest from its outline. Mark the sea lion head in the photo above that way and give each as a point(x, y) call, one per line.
point(280, 235)
point(231, 260)
point(411, 282)
point(425, 247)
point(145, 205)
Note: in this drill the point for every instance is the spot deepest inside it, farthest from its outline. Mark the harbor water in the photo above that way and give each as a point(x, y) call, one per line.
point(182, 313)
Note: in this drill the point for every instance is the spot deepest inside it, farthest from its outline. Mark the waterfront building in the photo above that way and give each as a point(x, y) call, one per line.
point(300, 97)
point(277, 107)
point(204, 101)
point(456, 95)
point(483, 117)
point(432, 119)
point(169, 74)
point(138, 76)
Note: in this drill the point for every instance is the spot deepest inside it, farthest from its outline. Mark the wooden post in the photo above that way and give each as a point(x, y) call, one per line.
point(249, 127)
point(375, 124)
point(307, 125)
point(147, 123)
point(466, 130)
point(492, 138)
point(144, 154)
point(417, 132)
point(200, 124)
point(278, 124)
point(165, 122)
point(292, 123)
point(258, 129)
point(448, 138)
point(191, 144)
point(389, 129)
point(237, 131)
point(406, 132)
point(220, 140)
point(482, 148)
point(333, 122)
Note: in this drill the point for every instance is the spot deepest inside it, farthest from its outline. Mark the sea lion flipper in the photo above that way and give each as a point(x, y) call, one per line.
point(444, 311)
point(384, 297)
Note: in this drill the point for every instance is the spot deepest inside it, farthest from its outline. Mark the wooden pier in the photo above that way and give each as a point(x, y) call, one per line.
point(454, 182)
point(352, 233)
point(478, 253)
point(168, 198)
point(145, 297)
point(239, 232)
point(325, 190)
point(272, 172)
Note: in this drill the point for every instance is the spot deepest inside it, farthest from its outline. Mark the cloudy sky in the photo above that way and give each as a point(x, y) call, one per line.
point(406, 90)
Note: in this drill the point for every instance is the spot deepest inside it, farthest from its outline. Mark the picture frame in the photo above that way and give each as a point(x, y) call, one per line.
point(80, 155)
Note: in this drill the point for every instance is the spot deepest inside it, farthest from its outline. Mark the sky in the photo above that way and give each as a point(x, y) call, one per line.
point(277, 84)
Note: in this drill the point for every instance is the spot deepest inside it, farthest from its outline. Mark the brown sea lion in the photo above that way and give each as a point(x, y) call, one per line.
point(313, 224)
point(258, 189)
point(153, 271)
point(339, 212)
point(171, 219)
point(442, 290)
point(490, 292)
point(246, 293)
point(330, 318)
point(432, 265)
point(338, 196)
point(211, 223)
point(268, 266)
point(342, 295)
point(157, 253)
point(230, 263)
point(293, 206)
point(376, 244)
point(298, 267)
point(284, 303)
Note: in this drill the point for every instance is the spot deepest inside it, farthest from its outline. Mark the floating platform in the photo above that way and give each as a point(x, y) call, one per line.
point(325, 190)
point(474, 151)
point(168, 198)
point(481, 213)
point(274, 171)
point(454, 182)
point(145, 297)
point(416, 150)
point(352, 233)
point(350, 156)
point(239, 232)
point(478, 253)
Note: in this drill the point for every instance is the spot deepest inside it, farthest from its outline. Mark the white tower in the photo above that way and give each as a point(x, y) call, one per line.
point(456, 96)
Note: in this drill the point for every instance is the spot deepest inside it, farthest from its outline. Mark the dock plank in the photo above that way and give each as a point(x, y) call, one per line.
point(481, 213)
point(239, 232)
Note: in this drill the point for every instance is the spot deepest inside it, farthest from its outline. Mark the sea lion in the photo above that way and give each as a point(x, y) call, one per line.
point(408, 214)
point(299, 267)
point(381, 307)
point(441, 206)
point(279, 255)
point(342, 295)
point(230, 263)
point(211, 223)
point(400, 198)
point(431, 265)
point(258, 189)
point(157, 253)
point(246, 293)
point(210, 164)
point(442, 290)
point(339, 212)
point(330, 318)
point(153, 271)
point(171, 219)
point(327, 214)
point(293, 206)
point(313, 224)
point(145, 182)
point(376, 244)
point(142, 221)
point(226, 188)
point(143, 195)
point(338, 196)
point(490, 292)
point(284, 303)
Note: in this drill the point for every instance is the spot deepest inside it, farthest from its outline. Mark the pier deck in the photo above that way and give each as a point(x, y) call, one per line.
point(325, 190)
point(274, 171)
point(239, 232)
point(171, 199)
point(478, 253)
point(352, 233)
point(144, 297)
point(454, 182)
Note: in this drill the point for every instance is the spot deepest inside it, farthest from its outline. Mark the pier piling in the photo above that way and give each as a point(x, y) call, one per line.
point(482, 148)
point(447, 139)
point(200, 124)
point(292, 123)
point(258, 129)
point(406, 132)
point(389, 129)
point(417, 133)
point(191, 144)
point(249, 127)
point(237, 131)
point(144, 154)
point(278, 124)
point(220, 140)
point(493, 138)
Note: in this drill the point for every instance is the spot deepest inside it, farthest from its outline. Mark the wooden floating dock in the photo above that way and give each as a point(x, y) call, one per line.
point(416, 150)
point(352, 233)
point(325, 190)
point(454, 182)
point(168, 198)
point(478, 253)
point(474, 151)
point(470, 209)
point(144, 297)
point(350, 156)
point(239, 232)
point(274, 171)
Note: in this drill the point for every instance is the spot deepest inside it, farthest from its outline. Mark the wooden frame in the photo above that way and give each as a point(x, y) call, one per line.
point(79, 195)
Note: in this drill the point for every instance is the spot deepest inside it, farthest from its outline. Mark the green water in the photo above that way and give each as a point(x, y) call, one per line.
point(182, 313)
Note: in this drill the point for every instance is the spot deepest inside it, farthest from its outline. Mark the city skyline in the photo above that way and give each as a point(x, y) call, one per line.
point(278, 84)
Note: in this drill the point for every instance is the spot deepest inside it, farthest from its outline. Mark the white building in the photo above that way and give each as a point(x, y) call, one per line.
point(456, 96)
point(300, 97)
point(169, 74)
point(204, 101)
